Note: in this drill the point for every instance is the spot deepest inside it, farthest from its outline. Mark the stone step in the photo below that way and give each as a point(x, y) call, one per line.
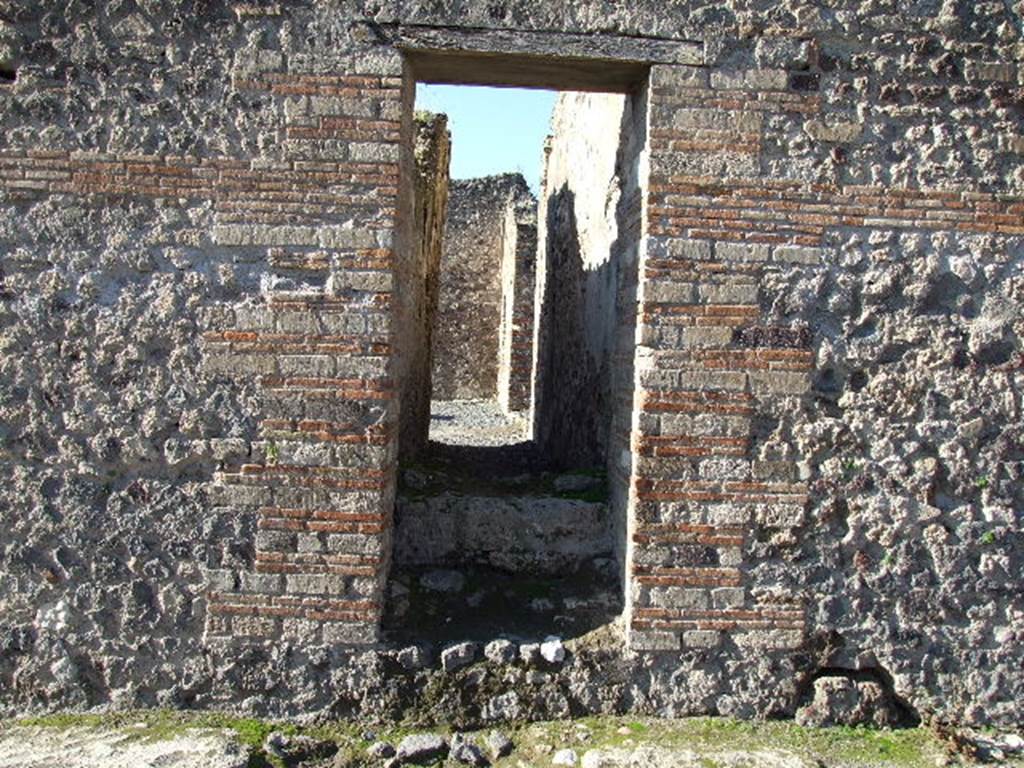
point(518, 533)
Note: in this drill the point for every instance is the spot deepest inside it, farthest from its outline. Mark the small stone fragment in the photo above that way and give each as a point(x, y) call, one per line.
point(380, 750)
point(296, 749)
point(457, 656)
point(413, 657)
point(503, 707)
point(500, 651)
point(468, 753)
point(421, 748)
point(565, 757)
point(552, 650)
point(530, 653)
point(499, 744)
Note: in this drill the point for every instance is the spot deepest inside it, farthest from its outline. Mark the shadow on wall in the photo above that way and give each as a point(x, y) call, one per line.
point(584, 309)
point(570, 400)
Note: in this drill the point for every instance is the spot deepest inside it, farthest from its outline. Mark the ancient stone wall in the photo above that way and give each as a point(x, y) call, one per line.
point(432, 151)
point(587, 290)
point(468, 332)
point(201, 235)
point(582, 265)
point(518, 278)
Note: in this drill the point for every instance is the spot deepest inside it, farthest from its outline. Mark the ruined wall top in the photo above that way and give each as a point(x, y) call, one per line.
point(877, 62)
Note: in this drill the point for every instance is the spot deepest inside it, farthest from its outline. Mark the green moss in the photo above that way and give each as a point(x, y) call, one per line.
point(712, 738)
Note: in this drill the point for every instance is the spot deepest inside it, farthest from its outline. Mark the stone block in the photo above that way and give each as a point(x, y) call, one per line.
point(701, 638)
point(314, 366)
point(366, 586)
point(774, 639)
point(724, 469)
point(457, 656)
point(727, 251)
point(728, 597)
point(231, 364)
point(219, 579)
point(261, 234)
point(679, 77)
point(373, 152)
point(692, 119)
point(678, 248)
point(275, 541)
point(254, 626)
point(706, 336)
point(265, 583)
point(350, 280)
point(319, 106)
point(723, 381)
point(750, 79)
point(309, 542)
point(834, 132)
point(296, 322)
point(680, 597)
point(779, 515)
point(705, 424)
point(639, 640)
point(784, 53)
point(354, 543)
point(730, 556)
point(300, 630)
point(727, 514)
point(779, 382)
point(345, 237)
point(229, 448)
point(726, 293)
point(774, 470)
point(999, 71)
point(254, 318)
point(796, 254)
point(315, 584)
point(670, 293)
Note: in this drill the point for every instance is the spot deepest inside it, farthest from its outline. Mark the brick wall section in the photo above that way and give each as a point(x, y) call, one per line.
point(322, 217)
point(321, 355)
point(324, 355)
point(699, 494)
point(713, 362)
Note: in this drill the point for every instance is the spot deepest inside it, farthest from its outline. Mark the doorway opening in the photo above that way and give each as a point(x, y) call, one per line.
point(516, 344)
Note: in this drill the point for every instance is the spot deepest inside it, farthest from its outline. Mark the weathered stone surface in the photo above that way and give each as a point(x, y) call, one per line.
point(380, 750)
point(467, 753)
point(35, 747)
point(565, 757)
point(552, 650)
point(499, 744)
point(421, 748)
point(203, 217)
point(500, 651)
point(842, 701)
point(418, 298)
point(504, 707)
point(476, 293)
point(520, 533)
point(458, 656)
